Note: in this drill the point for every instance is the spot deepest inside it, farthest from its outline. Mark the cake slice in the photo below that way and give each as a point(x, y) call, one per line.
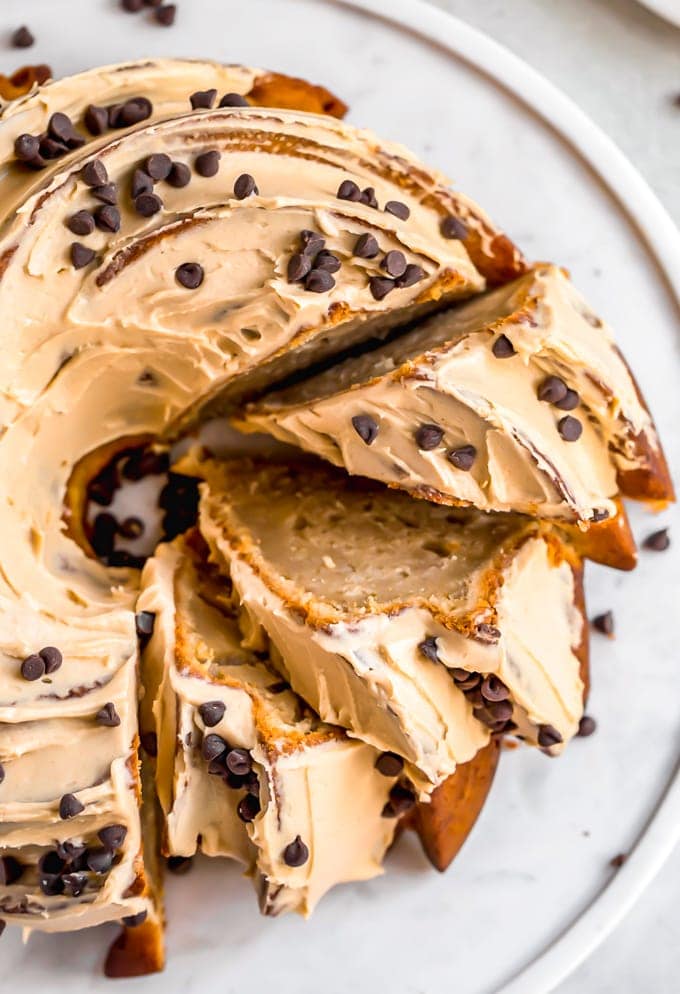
point(421, 629)
point(516, 401)
point(245, 769)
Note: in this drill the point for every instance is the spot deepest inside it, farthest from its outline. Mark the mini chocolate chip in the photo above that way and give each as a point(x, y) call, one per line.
point(81, 255)
point(165, 15)
point(428, 648)
point(179, 865)
point(348, 190)
point(618, 861)
point(428, 437)
point(50, 884)
point(599, 514)
point(586, 726)
point(499, 710)
point(213, 746)
point(27, 148)
point(103, 537)
point(569, 428)
point(112, 836)
point(394, 263)
point(487, 633)
point(570, 401)
point(233, 100)
point(412, 274)
point(311, 242)
point(463, 457)
point(493, 689)
point(52, 658)
point(145, 462)
point(158, 166)
point(131, 112)
point(148, 204)
point(366, 247)
point(141, 183)
point(298, 267)
point(132, 6)
point(657, 541)
point(70, 806)
point(107, 716)
point(327, 261)
point(134, 921)
point(548, 736)
point(179, 175)
point(319, 281)
point(604, 623)
point(503, 348)
point(131, 528)
point(207, 164)
point(369, 198)
point(144, 624)
point(190, 275)
point(99, 859)
point(149, 743)
point(74, 883)
point(389, 764)
point(81, 223)
point(248, 808)
point(22, 38)
point(212, 712)
point(245, 186)
point(552, 389)
point(10, 870)
point(366, 428)
point(398, 209)
point(107, 194)
point(296, 853)
point(380, 286)
point(453, 227)
point(94, 173)
point(469, 682)
point(402, 799)
point(107, 218)
point(60, 127)
point(33, 668)
point(96, 119)
point(203, 99)
point(239, 762)
point(50, 148)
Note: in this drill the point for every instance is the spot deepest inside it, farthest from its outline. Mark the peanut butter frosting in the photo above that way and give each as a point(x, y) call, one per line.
point(409, 624)
point(299, 778)
point(516, 401)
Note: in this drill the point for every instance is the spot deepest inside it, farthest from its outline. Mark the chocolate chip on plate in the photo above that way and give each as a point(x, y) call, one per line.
point(452, 227)
point(107, 716)
point(503, 348)
point(570, 428)
point(586, 726)
point(211, 712)
point(207, 164)
point(203, 99)
point(179, 175)
point(165, 14)
point(428, 437)
point(366, 247)
point(70, 806)
point(463, 457)
point(132, 6)
point(22, 38)
point(190, 275)
point(604, 623)
point(245, 186)
point(365, 427)
point(658, 541)
point(398, 209)
point(389, 764)
point(296, 853)
point(33, 668)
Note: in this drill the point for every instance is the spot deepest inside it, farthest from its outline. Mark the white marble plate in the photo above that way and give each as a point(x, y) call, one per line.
point(668, 9)
point(532, 892)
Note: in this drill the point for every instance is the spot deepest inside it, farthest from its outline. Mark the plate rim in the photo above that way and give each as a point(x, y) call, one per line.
point(663, 9)
point(661, 833)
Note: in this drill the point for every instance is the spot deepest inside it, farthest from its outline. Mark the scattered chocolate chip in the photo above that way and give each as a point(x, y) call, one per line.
point(102, 487)
point(96, 119)
point(428, 648)
point(466, 681)
point(380, 286)
point(134, 921)
point(569, 428)
point(70, 806)
point(212, 712)
point(348, 190)
point(149, 743)
point(22, 38)
point(158, 166)
point(207, 163)
point(141, 183)
point(618, 861)
point(369, 198)
point(106, 194)
point(203, 99)
point(604, 623)
point(179, 865)
point(165, 15)
point(453, 227)
point(493, 689)
point(94, 173)
point(248, 808)
point(190, 275)
point(107, 218)
point(365, 427)
point(503, 348)
point(50, 148)
point(245, 186)
point(60, 128)
point(327, 261)
point(552, 389)
point(319, 281)
point(103, 538)
point(401, 800)
point(145, 462)
point(112, 836)
point(548, 736)
point(213, 746)
point(389, 764)
point(296, 853)
point(311, 242)
point(27, 148)
point(107, 716)
point(412, 274)
point(148, 204)
point(10, 870)
point(499, 711)
point(398, 209)
point(394, 263)
point(366, 247)
point(657, 541)
point(81, 223)
point(144, 625)
point(570, 401)
point(428, 437)
point(132, 6)
point(70, 852)
point(298, 267)
point(99, 859)
point(33, 668)
point(81, 255)
point(586, 726)
point(179, 175)
point(233, 100)
point(131, 112)
point(463, 457)
point(239, 762)
point(74, 883)
point(50, 884)
point(487, 633)
point(52, 658)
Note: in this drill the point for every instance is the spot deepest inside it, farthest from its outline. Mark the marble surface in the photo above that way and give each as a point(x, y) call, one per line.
point(594, 802)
